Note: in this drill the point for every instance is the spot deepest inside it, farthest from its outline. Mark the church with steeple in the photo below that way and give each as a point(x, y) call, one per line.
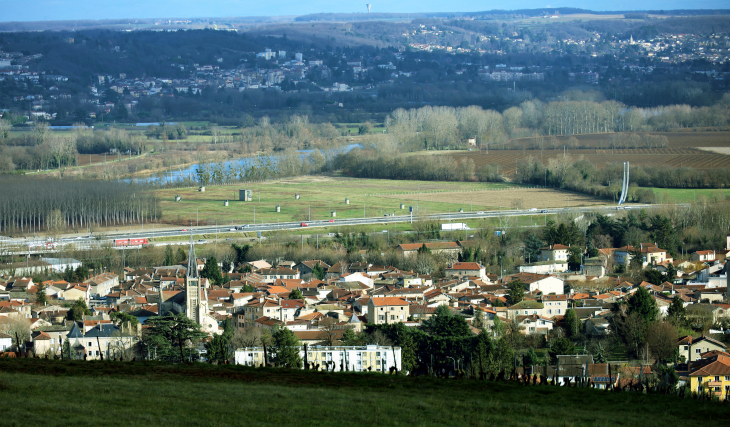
point(196, 297)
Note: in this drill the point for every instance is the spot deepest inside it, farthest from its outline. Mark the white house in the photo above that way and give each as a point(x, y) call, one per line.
point(554, 252)
point(6, 341)
point(103, 283)
point(532, 324)
point(547, 285)
point(544, 267)
point(358, 277)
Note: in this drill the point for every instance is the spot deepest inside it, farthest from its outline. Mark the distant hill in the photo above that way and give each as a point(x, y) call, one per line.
point(171, 22)
point(496, 13)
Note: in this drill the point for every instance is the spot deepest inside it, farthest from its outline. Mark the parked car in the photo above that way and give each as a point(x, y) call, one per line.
point(304, 224)
point(544, 211)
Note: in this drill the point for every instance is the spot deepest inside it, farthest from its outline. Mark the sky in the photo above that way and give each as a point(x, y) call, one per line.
point(44, 10)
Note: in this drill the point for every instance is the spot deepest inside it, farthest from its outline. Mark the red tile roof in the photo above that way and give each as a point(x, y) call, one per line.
point(465, 266)
point(387, 301)
point(432, 246)
point(555, 247)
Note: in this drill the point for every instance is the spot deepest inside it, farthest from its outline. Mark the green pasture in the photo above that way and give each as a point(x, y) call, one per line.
point(689, 195)
point(319, 197)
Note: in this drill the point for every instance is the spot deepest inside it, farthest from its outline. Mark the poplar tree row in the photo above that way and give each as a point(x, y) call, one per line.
point(36, 205)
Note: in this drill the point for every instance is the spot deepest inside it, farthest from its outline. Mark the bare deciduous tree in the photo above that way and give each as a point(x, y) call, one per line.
point(16, 327)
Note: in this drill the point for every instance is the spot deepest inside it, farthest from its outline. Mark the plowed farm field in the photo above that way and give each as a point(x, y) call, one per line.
point(675, 139)
point(699, 150)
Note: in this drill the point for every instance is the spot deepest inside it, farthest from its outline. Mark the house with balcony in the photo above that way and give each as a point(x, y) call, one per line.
point(710, 375)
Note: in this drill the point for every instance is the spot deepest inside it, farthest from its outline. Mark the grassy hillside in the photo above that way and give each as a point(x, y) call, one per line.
point(46, 393)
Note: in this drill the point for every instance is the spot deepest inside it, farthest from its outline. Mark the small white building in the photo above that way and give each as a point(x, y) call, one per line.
point(358, 277)
point(544, 267)
point(548, 285)
point(373, 358)
point(6, 341)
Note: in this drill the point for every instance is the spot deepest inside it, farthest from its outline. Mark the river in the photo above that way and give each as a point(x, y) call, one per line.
point(174, 174)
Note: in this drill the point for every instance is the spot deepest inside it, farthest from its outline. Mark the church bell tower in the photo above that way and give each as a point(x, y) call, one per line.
point(192, 285)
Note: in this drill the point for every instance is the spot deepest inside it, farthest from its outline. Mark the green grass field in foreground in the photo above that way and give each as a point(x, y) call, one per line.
point(689, 195)
point(324, 195)
point(41, 392)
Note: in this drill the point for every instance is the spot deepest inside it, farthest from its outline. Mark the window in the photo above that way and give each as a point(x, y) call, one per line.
point(697, 350)
point(550, 311)
point(727, 377)
point(381, 317)
point(89, 343)
point(525, 312)
point(717, 378)
point(392, 317)
point(559, 311)
point(392, 308)
point(699, 380)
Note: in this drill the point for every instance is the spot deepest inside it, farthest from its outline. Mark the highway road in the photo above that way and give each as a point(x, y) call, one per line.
point(40, 246)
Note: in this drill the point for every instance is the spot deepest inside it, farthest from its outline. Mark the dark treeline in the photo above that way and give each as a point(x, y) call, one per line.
point(28, 205)
point(583, 176)
point(367, 164)
point(559, 172)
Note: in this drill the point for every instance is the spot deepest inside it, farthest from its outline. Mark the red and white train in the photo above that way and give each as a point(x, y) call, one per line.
point(131, 242)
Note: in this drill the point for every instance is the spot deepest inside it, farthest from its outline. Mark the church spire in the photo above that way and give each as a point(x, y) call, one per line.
point(192, 260)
